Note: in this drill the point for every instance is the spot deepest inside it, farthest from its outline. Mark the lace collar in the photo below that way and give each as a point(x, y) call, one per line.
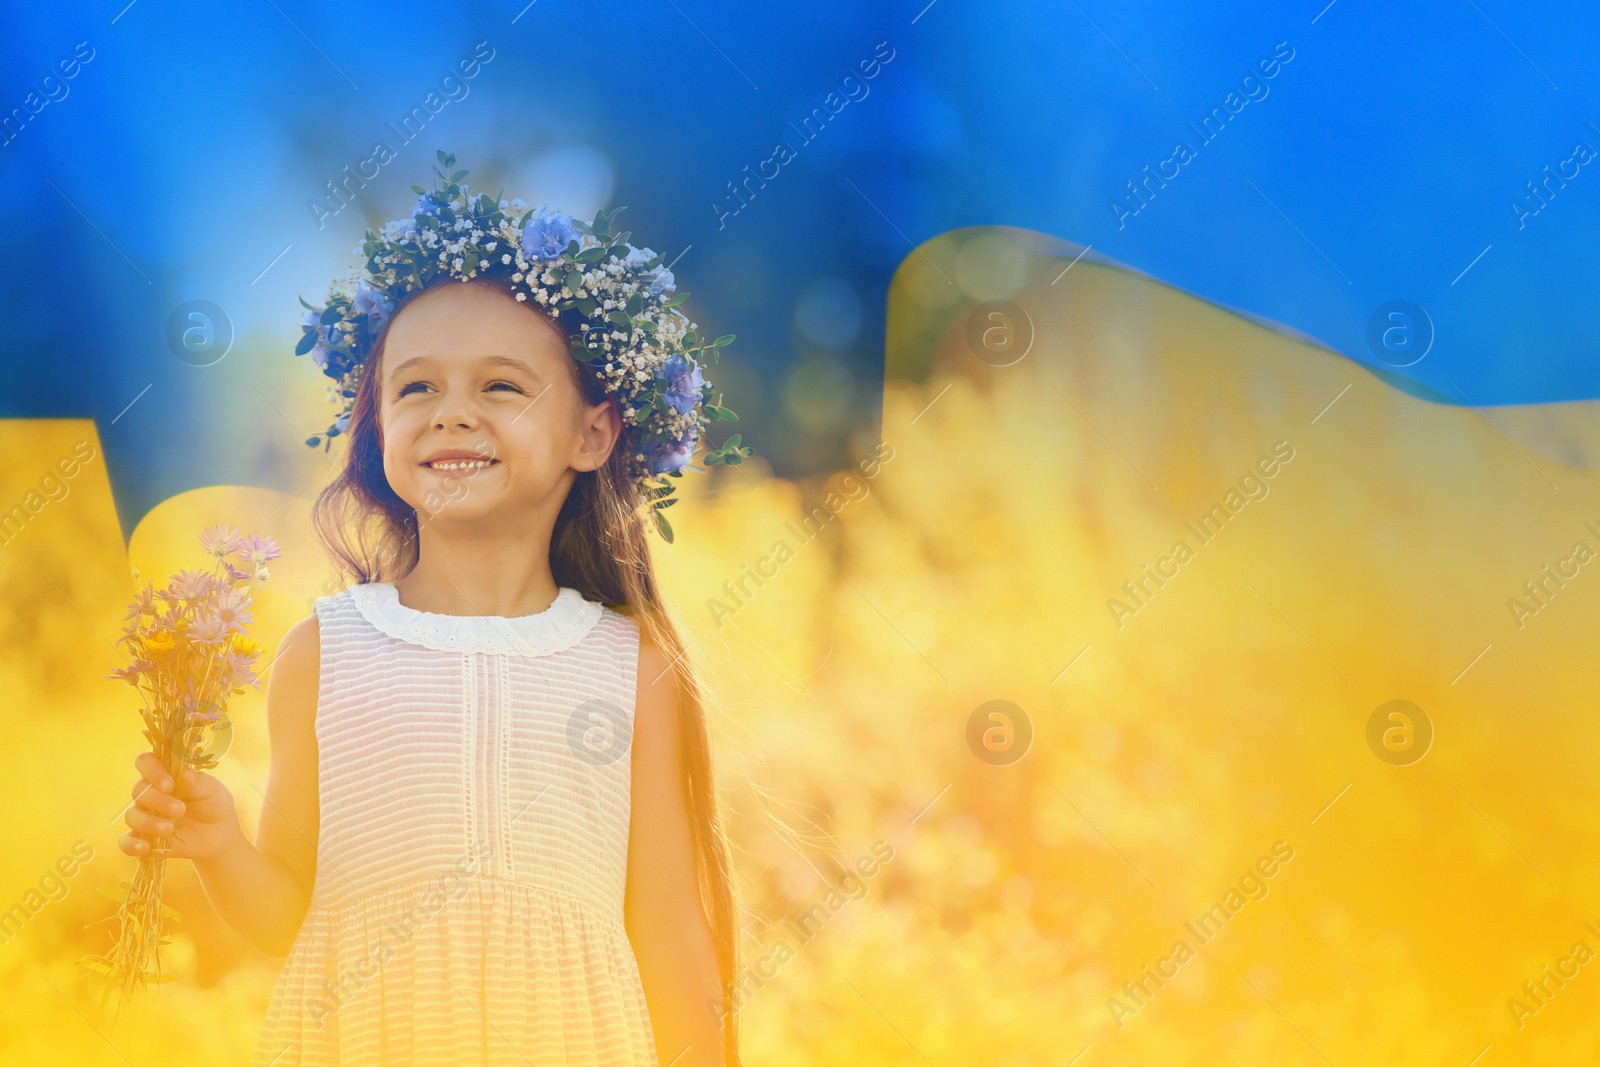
point(561, 625)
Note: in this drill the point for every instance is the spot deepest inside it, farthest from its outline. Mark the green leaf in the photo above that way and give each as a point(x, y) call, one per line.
point(666, 503)
point(588, 305)
point(591, 255)
point(635, 304)
point(662, 525)
point(458, 175)
point(725, 339)
point(573, 279)
point(331, 314)
point(676, 300)
point(419, 190)
point(621, 318)
point(309, 307)
point(646, 325)
point(731, 443)
point(307, 341)
point(712, 458)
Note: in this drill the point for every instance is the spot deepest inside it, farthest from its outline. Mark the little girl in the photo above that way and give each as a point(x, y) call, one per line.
point(489, 834)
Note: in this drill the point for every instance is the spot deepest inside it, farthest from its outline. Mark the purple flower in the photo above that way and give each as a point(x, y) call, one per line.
point(668, 456)
point(220, 540)
point(319, 351)
point(260, 549)
point(190, 585)
point(129, 674)
point(370, 301)
point(207, 712)
point(661, 281)
point(425, 206)
point(209, 630)
point(683, 384)
point(239, 669)
point(547, 234)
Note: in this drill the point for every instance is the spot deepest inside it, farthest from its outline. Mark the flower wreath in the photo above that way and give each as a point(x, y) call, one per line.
point(632, 331)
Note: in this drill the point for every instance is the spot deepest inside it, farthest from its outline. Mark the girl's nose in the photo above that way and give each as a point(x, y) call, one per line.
point(453, 413)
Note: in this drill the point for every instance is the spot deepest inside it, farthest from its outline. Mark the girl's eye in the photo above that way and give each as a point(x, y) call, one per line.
point(407, 388)
point(508, 385)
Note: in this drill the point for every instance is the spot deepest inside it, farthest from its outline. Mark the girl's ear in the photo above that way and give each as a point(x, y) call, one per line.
point(598, 432)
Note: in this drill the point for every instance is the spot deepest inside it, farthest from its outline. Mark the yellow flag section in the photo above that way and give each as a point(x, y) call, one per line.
point(1308, 658)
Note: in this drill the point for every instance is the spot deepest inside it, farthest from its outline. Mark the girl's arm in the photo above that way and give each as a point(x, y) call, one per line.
point(671, 939)
point(263, 889)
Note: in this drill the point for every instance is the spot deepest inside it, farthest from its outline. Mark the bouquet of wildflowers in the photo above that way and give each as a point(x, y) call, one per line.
point(188, 653)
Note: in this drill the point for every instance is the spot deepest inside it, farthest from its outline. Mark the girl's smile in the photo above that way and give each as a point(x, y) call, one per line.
point(459, 461)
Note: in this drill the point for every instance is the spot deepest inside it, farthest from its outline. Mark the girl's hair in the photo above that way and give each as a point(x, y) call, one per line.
point(598, 547)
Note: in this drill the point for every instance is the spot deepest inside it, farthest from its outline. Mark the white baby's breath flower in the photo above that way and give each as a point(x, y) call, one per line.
point(522, 297)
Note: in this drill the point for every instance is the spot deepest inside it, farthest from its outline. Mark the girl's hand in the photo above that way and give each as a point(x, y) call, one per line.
point(196, 815)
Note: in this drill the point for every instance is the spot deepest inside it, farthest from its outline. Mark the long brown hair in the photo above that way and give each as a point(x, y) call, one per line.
point(598, 547)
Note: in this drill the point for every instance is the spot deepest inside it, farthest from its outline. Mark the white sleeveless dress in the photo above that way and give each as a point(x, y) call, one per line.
point(474, 784)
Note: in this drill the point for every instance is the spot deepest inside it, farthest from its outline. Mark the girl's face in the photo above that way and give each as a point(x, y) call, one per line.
point(479, 412)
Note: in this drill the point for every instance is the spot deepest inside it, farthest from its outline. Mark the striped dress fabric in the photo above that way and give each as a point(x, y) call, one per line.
point(472, 856)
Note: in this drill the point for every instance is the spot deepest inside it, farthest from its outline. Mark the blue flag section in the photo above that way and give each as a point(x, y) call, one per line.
point(1414, 187)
